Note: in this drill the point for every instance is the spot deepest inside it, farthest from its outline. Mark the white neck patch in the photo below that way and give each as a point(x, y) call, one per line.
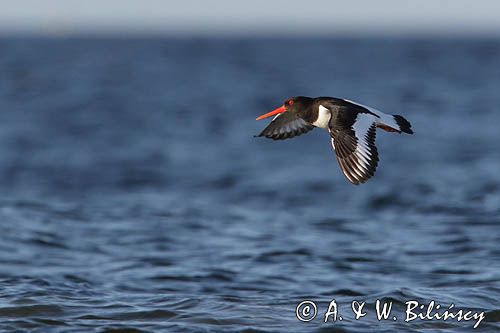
point(324, 116)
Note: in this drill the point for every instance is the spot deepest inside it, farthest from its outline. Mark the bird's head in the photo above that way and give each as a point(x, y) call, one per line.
point(293, 104)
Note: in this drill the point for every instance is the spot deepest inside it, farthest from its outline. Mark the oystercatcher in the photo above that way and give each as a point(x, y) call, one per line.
point(352, 128)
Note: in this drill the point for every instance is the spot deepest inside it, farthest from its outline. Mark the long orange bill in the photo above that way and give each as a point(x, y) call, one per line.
point(281, 109)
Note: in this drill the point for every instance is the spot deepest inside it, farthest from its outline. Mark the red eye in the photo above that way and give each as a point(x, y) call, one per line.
point(290, 102)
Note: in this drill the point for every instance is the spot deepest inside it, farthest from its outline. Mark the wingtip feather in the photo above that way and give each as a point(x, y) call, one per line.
point(404, 125)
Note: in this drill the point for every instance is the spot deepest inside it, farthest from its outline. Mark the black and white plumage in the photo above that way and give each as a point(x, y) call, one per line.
point(352, 129)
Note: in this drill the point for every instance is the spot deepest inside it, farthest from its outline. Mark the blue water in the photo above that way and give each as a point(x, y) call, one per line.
point(134, 196)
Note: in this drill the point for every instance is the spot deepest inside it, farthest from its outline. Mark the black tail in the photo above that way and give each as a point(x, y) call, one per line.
point(404, 125)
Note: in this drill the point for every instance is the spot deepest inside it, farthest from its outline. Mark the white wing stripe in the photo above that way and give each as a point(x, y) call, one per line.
point(363, 153)
point(384, 118)
point(361, 128)
point(358, 158)
point(363, 150)
point(363, 161)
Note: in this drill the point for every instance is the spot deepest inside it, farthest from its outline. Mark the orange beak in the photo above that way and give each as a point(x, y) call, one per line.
point(281, 109)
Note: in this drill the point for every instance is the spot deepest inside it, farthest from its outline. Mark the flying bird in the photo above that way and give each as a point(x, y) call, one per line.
point(352, 127)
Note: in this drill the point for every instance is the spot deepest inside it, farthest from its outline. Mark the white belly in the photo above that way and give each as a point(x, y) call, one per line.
point(324, 116)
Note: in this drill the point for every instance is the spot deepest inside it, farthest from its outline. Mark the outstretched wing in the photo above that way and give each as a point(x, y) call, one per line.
point(286, 125)
point(353, 138)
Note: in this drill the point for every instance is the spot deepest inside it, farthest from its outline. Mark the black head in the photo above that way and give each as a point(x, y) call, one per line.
point(294, 105)
point(297, 103)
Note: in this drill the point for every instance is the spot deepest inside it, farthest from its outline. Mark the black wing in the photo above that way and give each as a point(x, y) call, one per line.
point(286, 125)
point(353, 138)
